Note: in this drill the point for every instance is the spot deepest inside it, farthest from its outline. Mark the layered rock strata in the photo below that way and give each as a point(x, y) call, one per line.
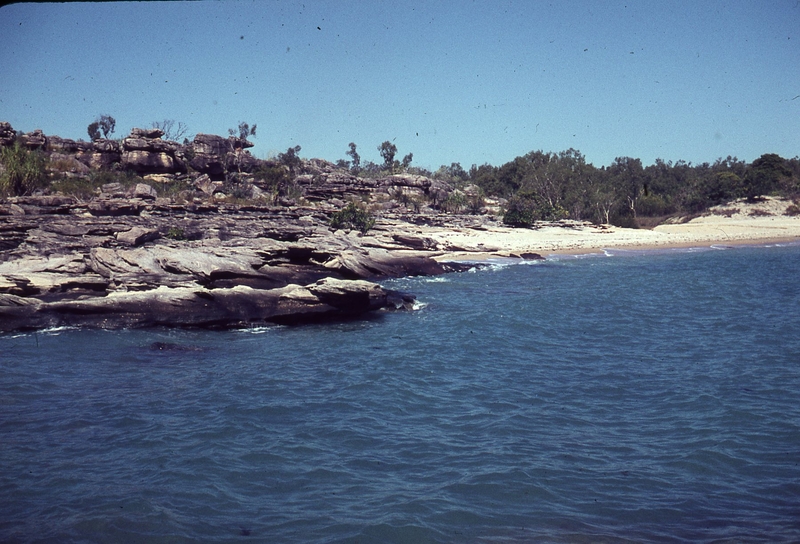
point(63, 263)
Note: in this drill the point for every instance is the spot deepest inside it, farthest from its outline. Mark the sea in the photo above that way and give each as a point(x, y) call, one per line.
point(628, 396)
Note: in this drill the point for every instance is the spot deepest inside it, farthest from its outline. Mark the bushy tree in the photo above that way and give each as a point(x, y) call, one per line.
point(764, 175)
point(104, 124)
point(290, 159)
point(243, 131)
point(526, 210)
point(353, 217)
point(387, 150)
point(356, 158)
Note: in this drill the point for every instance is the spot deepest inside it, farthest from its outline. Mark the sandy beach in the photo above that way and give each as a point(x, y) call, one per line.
point(731, 224)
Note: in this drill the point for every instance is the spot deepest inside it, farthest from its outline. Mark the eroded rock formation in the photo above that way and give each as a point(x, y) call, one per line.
point(137, 253)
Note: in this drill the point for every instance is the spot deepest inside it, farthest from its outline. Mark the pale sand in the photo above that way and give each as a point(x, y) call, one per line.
point(719, 227)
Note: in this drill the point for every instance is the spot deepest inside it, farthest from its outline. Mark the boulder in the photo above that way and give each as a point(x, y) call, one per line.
point(101, 145)
point(144, 191)
point(147, 133)
point(62, 145)
point(67, 164)
point(377, 263)
point(151, 162)
point(210, 144)
point(7, 134)
point(160, 178)
point(137, 236)
point(210, 165)
point(144, 152)
point(415, 242)
point(34, 140)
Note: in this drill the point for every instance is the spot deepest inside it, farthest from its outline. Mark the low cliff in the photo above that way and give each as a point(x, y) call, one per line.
point(203, 235)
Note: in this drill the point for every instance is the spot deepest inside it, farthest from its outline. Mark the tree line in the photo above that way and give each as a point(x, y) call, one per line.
point(547, 186)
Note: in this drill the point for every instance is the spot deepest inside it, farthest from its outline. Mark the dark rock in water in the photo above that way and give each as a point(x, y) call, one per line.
point(398, 300)
point(531, 256)
point(169, 346)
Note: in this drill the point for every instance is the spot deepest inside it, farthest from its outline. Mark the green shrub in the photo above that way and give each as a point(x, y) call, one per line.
point(524, 211)
point(520, 212)
point(23, 171)
point(353, 217)
point(176, 233)
point(475, 204)
point(455, 202)
point(276, 180)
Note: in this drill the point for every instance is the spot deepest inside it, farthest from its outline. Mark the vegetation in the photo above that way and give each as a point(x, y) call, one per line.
point(174, 131)
point(547, 186)
point(175, 233)
point(537, 186)
point(243, 130)
point(353, 217)
point(277, 180)
point(22, 171)
point(356, 158)
point(291, 159)
point(387, 150)
point(104, 123)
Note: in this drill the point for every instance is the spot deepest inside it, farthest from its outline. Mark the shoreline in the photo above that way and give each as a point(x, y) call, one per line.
point(760, 223)
point(109, 265)
point(464, 256)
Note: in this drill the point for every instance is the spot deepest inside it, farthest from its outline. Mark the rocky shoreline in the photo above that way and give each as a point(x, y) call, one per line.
point(203, 234)
point(144, 232)
point(65, 263)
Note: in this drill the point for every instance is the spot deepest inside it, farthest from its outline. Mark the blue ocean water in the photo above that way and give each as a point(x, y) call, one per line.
point(629, 397)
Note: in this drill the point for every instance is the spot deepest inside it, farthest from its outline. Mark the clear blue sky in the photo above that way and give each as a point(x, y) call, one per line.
point(449, 81)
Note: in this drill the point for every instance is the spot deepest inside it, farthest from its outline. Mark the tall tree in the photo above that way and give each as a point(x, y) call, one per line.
point(104, 124)
point(764, 175)
point(388, 150)
point(355, 156)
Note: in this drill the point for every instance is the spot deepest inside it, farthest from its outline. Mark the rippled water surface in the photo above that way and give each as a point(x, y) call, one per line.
point(634, 397)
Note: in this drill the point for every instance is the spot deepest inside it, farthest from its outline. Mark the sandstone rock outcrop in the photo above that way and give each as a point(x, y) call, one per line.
point(34, 140)
point(203, 235)
point(214, 155)
point(7, 134)
point(144, 152)
point(125, 262)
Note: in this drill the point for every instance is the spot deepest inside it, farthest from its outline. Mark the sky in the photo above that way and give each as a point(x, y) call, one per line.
point(462, 81)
